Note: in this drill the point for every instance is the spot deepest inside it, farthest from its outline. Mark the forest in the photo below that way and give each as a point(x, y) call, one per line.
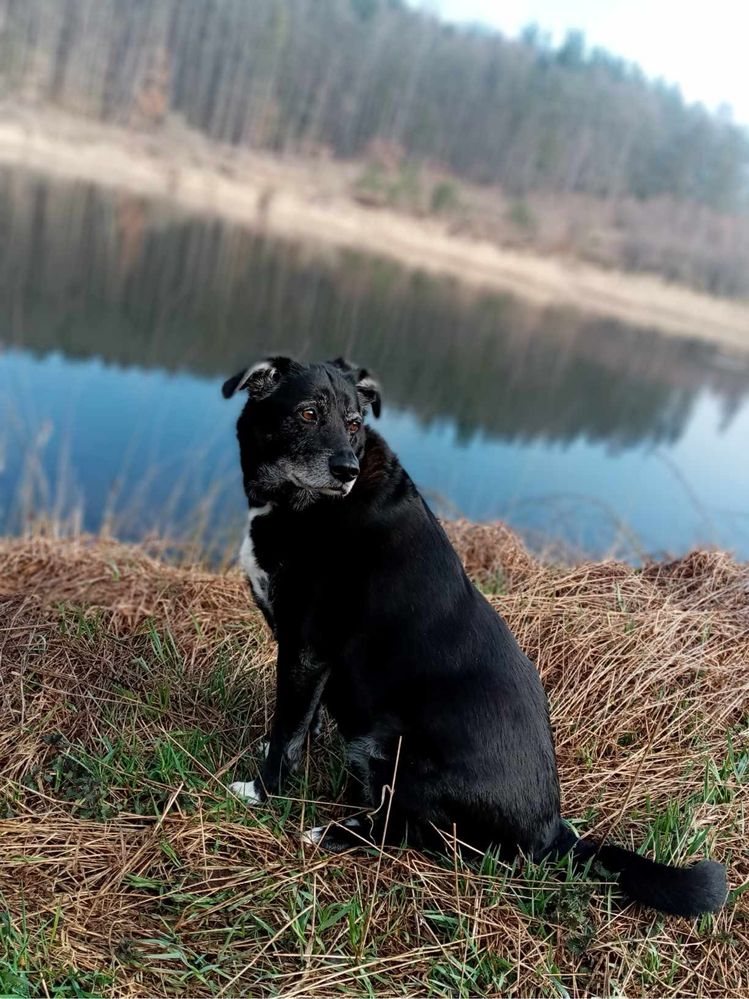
point(560, 150)
point(335, 76)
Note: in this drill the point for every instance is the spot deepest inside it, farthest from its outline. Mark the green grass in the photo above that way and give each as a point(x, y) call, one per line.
point(28, 967)
point(128, 868)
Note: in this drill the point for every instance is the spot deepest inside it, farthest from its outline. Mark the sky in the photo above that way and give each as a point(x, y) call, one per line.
point(701, 46)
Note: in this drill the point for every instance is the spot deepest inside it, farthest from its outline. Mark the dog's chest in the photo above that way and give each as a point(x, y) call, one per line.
point(257, 570)
point(292, 564)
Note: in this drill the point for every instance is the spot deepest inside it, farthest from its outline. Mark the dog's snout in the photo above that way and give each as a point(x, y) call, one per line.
point(344, 466)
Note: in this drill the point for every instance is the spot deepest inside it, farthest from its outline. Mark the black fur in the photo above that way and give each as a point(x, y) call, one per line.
point(376, 618)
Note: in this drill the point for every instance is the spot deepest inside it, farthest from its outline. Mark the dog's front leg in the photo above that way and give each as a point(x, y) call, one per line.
point(299, 686)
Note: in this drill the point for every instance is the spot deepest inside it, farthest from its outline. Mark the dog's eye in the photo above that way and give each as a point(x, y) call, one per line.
point(354, 426)
point(309, 415)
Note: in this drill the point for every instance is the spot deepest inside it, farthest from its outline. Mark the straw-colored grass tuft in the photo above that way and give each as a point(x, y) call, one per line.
point(133, 691)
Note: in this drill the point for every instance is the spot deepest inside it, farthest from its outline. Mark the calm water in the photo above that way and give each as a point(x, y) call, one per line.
point(121, 319)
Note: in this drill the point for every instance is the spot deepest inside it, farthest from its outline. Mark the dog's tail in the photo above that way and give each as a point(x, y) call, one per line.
point(679, 891)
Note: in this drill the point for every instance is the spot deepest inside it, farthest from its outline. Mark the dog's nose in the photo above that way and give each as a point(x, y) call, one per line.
point(344, 466)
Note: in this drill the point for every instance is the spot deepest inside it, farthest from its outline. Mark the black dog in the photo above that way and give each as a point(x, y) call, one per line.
point(445, 718)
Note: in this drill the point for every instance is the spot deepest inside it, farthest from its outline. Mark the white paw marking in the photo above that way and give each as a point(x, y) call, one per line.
point(313, 836)
point(257, 576)
point(265, 748)
point(249, 791)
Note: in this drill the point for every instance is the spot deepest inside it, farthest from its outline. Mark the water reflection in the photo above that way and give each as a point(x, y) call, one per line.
point(484, 385)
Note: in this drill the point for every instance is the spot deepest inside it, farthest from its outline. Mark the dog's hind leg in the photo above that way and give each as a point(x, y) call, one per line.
point(350, 834)
point(384, 822)
point(360, 832)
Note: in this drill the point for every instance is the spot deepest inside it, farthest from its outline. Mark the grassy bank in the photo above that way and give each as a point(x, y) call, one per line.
point(322, 203)
point(133, 691)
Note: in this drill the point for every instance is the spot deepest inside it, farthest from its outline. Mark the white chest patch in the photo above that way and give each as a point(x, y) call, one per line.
point(258, 577)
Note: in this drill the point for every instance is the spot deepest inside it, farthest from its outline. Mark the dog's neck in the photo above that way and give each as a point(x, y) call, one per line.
point(377, 464)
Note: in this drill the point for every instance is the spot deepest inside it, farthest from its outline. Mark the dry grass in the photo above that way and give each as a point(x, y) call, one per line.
point(132, 691)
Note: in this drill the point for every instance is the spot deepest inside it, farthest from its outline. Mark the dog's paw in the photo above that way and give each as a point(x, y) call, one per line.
point(349, 835)
point(313, 836)
point(249, 791)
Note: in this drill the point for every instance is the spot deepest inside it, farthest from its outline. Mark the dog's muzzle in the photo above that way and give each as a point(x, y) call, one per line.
point(344, 466)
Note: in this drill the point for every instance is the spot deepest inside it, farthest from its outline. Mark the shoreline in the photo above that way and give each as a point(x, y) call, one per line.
point(287, 199)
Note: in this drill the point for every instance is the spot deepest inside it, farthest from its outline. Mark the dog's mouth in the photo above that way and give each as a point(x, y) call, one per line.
point(343, 490)
point(339, 489)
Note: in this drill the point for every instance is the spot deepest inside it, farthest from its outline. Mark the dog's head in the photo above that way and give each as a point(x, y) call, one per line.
point(301, 432)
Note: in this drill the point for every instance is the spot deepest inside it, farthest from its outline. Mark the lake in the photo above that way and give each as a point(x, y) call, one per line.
point(122, 318)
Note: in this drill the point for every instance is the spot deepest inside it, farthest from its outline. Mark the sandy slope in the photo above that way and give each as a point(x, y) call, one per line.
point(299, 201)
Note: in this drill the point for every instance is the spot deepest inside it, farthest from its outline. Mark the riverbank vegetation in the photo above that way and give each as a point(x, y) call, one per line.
point(133, 690)
point(564, 149)
point(98, 274)
point(482, 245)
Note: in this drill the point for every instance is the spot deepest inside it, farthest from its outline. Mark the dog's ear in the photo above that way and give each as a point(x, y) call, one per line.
point(260, 379)
point(368, 391)
point(367, 387)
